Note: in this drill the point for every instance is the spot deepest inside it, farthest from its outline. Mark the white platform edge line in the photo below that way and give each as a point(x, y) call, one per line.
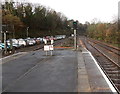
point(105, 77)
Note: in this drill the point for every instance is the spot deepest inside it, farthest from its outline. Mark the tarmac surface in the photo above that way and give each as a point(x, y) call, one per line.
point(66, 71)
point(35, 72)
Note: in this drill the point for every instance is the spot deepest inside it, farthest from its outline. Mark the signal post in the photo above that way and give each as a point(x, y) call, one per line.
point(75, 34)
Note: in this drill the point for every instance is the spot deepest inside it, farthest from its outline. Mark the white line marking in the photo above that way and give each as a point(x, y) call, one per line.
point(85, 52)
point(105, 77)
point(12, 55)
point(86, 49)
point(20, 77)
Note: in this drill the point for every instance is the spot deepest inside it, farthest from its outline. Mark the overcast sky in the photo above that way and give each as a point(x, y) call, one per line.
point(83, 10)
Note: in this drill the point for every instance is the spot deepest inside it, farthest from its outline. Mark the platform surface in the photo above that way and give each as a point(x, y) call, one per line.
point(66, 71)
point(90, 77)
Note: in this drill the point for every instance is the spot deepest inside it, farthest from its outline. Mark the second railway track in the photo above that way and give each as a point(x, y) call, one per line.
point(107, 47)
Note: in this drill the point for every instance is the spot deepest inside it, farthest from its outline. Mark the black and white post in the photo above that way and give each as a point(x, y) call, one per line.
point(51, 46)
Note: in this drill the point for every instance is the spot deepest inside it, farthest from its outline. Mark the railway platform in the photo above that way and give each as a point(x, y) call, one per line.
point(91, 78)
point(66, 71)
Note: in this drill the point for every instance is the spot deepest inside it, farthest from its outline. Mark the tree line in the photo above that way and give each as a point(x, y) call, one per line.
point(37, 19)
point(107, 32)
point(42, 21)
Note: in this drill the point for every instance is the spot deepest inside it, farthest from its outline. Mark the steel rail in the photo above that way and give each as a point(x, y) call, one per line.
point(104, 69)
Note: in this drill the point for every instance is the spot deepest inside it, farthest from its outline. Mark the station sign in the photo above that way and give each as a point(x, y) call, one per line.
point(51, 47)
point(46, 48)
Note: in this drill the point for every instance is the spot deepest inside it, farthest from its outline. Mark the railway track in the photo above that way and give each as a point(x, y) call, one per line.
point(110, 52)
point(107, 47)
point(110, 67)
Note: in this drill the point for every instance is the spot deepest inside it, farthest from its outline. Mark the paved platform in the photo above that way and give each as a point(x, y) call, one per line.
point(66, 71)
point(90, 76)
point(41, 73)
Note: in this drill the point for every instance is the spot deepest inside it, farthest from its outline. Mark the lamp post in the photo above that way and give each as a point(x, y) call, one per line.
point(5, 47)
point(5, 38)
point(13, 31)
point(27, 31)
point(4, 31)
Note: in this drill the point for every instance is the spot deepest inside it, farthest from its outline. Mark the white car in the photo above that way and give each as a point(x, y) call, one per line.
point(22, 42)
point(30, 41)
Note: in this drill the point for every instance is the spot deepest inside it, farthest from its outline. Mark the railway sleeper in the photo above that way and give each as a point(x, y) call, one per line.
point(106, 63)
point(114, 72)
point(118, 86)
point(114, 76)
point(117, 81)
point(109, 65)
point(114, 68)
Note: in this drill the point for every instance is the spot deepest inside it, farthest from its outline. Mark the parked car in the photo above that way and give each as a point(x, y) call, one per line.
point(30, 41)
point(60, 36)
point(40, 40)
point(22, 42)
point(37, 41)
point(14, 43)
point(2, 46)
point(8, 51)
